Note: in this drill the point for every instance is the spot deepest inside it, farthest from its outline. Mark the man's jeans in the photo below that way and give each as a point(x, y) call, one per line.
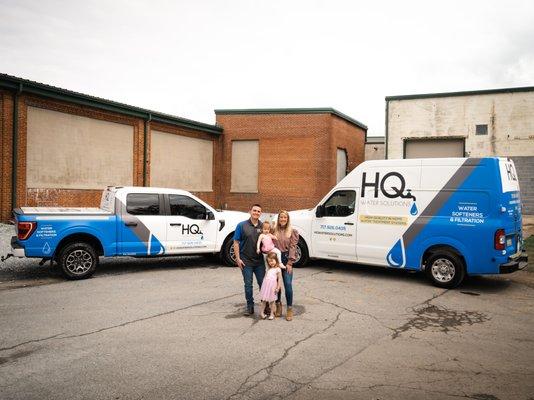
point(248, 271)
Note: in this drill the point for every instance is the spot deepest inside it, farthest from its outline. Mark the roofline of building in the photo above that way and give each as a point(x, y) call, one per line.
point(27, 86)
point(464, 93)
point(321, 110)
point(375, 139)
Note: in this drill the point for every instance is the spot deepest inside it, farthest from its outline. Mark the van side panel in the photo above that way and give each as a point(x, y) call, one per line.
point(464, 215)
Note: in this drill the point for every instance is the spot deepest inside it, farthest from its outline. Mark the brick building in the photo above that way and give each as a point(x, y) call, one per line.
point(286, 158)
point(61, 148)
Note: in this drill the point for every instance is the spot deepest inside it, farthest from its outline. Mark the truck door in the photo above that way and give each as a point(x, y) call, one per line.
point(142, 226)
point(334, 227)
point(191, 227)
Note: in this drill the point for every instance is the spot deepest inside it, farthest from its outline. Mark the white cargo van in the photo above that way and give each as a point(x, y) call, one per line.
point(449, 217)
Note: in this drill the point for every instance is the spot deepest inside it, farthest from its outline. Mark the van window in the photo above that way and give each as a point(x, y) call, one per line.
point(142, 203)
point(340, 204)
point(186, 207)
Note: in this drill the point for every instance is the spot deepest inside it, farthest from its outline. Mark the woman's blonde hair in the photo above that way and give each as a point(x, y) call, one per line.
point(278, 231)
point(272, 256)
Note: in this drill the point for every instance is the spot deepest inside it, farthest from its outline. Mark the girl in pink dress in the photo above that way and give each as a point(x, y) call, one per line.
point(266, 245)
point(272, 283)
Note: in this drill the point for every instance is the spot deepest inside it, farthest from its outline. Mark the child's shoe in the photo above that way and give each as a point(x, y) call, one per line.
point(263, 316)
point(271, 317)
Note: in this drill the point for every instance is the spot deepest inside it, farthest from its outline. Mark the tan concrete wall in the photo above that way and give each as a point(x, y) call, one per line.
point(245, 158)
point(181, 162)
point(74, 152)
point(375, 151)
point(509, 116)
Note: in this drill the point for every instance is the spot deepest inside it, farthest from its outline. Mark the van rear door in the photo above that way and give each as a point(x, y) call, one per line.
point(511, 219)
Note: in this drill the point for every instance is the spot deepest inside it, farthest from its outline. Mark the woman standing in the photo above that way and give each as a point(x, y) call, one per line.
point(286, 241)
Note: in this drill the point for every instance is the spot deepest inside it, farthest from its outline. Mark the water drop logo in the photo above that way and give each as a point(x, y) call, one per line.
point(414, 209)
point(397, 255)
point(46, 248)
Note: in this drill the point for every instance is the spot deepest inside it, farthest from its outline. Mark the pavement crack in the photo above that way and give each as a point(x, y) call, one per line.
point(353, 311)
point(107, 328)
point(333, 367)
point(243, 388)
point(31, 341)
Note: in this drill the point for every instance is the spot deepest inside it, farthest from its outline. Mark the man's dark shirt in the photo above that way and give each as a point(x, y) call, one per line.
point(247, 235)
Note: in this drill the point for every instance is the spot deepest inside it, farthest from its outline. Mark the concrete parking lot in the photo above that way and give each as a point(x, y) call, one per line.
point(173, 329)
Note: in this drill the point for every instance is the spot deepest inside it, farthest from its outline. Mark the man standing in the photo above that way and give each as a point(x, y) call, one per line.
point(247, 259)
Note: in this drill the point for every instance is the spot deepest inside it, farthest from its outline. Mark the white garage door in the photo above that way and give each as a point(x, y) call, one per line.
point(434, 148)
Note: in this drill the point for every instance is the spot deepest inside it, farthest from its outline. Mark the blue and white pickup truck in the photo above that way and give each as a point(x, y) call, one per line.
point(131, 221)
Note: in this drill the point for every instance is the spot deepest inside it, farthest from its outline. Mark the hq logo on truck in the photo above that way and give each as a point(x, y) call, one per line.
point(398, 187)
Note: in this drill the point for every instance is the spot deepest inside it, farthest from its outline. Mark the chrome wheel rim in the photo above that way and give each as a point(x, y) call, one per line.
point(231, 253)
point(79, 262)
point(298, 254)
point(443, 270)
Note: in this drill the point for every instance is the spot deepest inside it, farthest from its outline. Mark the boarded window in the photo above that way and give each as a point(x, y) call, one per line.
point(66, 151)
point(245, 155)
point(181, 162)
point(341, 164)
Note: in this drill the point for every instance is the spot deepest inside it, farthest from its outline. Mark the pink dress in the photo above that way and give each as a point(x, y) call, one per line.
point(267, 244)
point(270, 282)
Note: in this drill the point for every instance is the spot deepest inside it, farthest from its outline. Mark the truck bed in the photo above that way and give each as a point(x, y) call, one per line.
point(62, 210)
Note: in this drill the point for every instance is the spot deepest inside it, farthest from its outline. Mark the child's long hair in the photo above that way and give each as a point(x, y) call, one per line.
point(272, 256)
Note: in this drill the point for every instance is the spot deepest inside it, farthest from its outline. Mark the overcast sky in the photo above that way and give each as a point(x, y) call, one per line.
point(188, 58)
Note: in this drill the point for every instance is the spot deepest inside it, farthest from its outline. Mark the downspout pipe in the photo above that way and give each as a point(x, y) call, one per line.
point(145, 148)
point(15, 147)
point(387, 129)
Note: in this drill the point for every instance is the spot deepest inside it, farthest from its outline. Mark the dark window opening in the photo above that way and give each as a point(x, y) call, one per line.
point(481, 129)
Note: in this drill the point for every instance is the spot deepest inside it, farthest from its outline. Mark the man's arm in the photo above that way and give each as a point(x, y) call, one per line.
point(238, 260)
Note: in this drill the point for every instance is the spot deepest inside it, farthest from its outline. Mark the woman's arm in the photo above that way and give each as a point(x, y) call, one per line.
point(293, 240)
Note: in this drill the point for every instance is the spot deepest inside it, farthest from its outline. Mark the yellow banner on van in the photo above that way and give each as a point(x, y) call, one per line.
point(383, 220)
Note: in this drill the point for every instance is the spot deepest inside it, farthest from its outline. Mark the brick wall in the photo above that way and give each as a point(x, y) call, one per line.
point(297, 155)
point(27, 196)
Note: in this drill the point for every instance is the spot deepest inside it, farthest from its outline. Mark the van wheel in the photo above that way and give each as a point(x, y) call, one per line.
point(445, 269)
point(227, 252)
point(301, 254)
point(78, 260)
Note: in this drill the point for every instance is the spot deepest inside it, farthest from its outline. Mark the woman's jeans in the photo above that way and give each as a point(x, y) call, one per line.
point(288, 282)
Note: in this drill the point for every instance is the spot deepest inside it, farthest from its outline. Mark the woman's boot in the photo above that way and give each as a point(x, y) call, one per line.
point(278, 312)
point(289, 314)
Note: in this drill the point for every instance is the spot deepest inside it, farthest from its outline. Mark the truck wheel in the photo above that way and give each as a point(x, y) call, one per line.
point(445, 269)
point(78, 260)
point(301, 254)
point(227, 252)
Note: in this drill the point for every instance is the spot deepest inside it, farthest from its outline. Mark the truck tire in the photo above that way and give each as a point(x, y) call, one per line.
point(302, 255)
point(78, 260)
point(445, 269)
point(227, 252)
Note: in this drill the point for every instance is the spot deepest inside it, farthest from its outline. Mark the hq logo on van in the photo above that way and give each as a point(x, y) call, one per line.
point(396, 188)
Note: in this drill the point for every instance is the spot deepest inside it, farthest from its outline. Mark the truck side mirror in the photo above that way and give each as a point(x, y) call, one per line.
point(209, 215)
point(319, 211)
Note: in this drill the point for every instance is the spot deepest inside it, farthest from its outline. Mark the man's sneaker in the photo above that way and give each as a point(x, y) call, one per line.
point(249, 310)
